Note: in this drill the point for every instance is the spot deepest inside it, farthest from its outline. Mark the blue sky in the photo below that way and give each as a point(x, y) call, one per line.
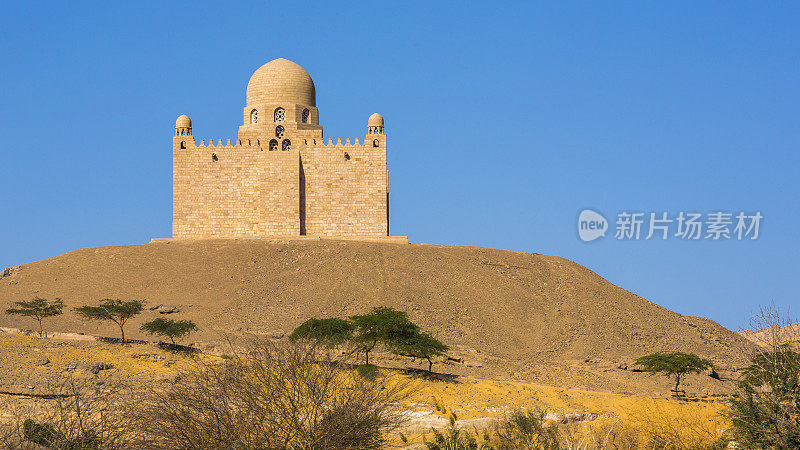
point(504, 121)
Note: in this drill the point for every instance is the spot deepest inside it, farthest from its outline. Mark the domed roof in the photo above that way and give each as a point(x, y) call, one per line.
point(375, 120)
point(281, 81)
point(183, 122)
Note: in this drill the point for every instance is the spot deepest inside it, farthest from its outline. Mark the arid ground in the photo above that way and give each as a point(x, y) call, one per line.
point(506, 315)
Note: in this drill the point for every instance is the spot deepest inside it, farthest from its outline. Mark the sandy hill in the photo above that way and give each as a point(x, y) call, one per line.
point(506, 313)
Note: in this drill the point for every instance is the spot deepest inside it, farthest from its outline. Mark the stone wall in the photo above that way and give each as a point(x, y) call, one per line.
point(228, 191)
point(345, 190)
point(245, 190)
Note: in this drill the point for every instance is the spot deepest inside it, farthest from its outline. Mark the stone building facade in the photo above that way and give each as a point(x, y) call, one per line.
point(279, 177)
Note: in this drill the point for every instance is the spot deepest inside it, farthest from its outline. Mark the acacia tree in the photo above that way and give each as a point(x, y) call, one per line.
point(382, 325)
point(39, 309)
point(673, 365)
point(421, 345)
point(329, 332)
point(169, 328)
point(117, 311)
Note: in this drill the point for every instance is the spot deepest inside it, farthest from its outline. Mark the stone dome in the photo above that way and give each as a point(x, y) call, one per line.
point(375, 120)
point(183, 122)
point(281, 81)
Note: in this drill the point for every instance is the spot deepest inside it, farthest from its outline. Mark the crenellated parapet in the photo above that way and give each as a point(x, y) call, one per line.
point(280, 177)
point(370, 142)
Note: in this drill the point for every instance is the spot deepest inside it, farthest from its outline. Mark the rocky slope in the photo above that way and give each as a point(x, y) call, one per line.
point(506, 314)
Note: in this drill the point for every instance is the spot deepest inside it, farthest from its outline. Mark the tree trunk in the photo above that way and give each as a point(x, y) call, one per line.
point(41, 330)
point(368, 349)
point(122, 330)
point(677, 383)
point(430, 366)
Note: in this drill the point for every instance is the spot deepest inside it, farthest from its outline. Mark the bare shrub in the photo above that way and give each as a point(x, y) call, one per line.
point(766, 408)
point(526, 430)
point(456, 438)
point(77, 416)
point(272, 396)
point(668, 425)
point(531, 430)
point(611, 435)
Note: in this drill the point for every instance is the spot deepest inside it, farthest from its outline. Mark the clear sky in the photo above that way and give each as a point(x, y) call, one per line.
point(504, 121)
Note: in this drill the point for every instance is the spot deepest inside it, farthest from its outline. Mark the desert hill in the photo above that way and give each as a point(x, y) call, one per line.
point(505, 313)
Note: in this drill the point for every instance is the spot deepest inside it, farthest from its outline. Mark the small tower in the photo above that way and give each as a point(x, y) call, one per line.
point(182, 138)
point(183, 126)
point(376, 138)
point(374, 124)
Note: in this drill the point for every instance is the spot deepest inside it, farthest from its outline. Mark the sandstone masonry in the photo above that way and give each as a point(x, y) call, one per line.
point(279, 178)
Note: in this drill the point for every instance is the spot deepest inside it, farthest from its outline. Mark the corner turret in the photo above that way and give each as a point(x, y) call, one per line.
point(183, 126)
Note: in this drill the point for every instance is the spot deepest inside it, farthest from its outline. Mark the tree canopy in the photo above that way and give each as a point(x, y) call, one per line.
point(117, 311)
point(37, 308)
point(382, 325)
point(330, 332)
point(169, 328)
point(673, 365)
point(421, 345)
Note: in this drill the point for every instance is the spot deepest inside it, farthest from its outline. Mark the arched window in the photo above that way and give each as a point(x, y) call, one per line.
point(279, 131)
point(286, 145)
point(305, 116)
point(273, 145)
point(376, 143)
point(280, 115)
point(254, 116)
point(183, 144)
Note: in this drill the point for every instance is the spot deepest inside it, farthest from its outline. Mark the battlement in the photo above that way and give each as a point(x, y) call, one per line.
point(339, 143)
point(280, 177)
point(237, 144)
point(257, 145)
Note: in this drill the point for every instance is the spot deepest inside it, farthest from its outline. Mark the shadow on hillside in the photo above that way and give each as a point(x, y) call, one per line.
point(114, 340)
point(431, 376)
point(162, 345)
point(178, 348)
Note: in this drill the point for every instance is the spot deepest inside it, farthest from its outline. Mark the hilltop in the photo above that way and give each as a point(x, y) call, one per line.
point(506, 314)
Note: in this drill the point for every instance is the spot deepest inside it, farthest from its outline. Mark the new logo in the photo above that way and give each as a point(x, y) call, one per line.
point(591, 225)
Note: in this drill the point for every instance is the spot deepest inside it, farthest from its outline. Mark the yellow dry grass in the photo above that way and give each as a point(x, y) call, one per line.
point(477, 402)
point(129, 359)
point(643, 421)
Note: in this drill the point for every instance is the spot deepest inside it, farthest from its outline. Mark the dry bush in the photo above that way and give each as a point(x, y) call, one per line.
point(596, 435)
point(455, 437)
point(530, 430)
point(272, 396)
point(526, 430)
point(766, 408)
point(77, 415)
point(612, 435)
point(667, 425)
point(772, 330)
